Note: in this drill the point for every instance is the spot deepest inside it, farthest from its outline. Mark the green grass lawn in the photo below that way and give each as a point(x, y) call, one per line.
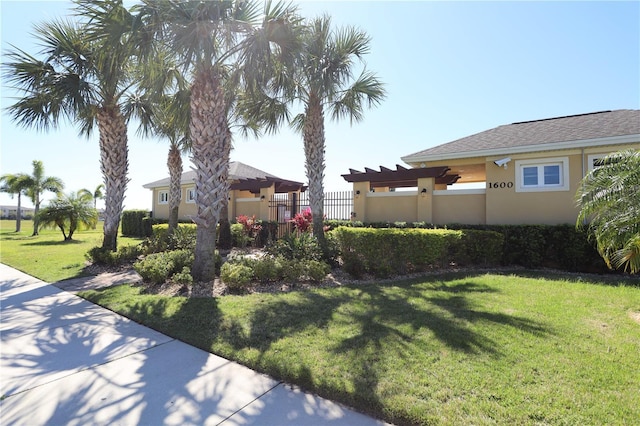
point(449, 349)
point(530, 348)
point(47, 256)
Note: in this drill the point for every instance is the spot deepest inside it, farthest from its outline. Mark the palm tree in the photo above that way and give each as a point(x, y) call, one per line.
point(15, 184)
point(69, 212)
point(211, 39)
point(84, 76)
point(97, 194)
point(609, 201)
point(323, 80)
point(36, 184)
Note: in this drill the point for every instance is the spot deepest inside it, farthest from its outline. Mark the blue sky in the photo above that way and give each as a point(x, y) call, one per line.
point(451, 69)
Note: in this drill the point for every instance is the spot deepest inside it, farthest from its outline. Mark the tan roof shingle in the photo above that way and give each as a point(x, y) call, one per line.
point(594, 125)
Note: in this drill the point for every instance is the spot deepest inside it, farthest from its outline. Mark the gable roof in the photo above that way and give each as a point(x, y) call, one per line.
point(237, 171)
point(604, 127)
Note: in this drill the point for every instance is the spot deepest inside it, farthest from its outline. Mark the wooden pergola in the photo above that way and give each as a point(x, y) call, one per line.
point(401, 177)
point(255, 185)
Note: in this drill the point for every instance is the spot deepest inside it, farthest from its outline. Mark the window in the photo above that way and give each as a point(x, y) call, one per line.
point(163, 197)
point(593, 161)
point(550, 174)
point(191, 195)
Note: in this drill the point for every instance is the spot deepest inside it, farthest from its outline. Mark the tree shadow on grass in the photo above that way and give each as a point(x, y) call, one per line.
point(54, 243)
point(614, 278)
point(380, 320)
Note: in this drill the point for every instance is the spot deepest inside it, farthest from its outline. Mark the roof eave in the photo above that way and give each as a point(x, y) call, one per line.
point(554, 146)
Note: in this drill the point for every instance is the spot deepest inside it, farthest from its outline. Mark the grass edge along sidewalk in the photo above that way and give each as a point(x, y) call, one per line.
point(446, 349)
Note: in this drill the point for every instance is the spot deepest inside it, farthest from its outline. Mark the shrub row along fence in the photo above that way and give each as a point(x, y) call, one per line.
point(385, 252)
point(560, 247)
point(531, 246)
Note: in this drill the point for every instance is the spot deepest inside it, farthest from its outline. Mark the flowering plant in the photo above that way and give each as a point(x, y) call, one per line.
point(250, 226)
point(302, 221)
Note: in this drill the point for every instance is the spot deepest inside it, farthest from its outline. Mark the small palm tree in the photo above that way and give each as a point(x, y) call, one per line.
point(96, 194)
point(36, 184)
point(15, 184)
point(323, 80)
point(69, 213)
point(609, 201)
point(85, 75)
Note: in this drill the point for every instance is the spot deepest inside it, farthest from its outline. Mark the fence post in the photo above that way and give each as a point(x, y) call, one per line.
point(360, 190)
point(425, 200)
point(265, 196)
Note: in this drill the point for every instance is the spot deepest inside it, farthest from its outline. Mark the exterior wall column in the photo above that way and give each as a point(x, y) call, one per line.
point(265, 197)
point(425, 199)
point(232, 204)
point(360, 190)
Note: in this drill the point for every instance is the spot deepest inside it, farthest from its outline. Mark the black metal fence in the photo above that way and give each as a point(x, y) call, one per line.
point(284, 207)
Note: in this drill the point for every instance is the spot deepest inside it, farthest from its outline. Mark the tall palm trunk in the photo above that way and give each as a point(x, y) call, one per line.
point(36, 217)
point(19, 213)
point(211, 148)
point(114, 165)
point(174, 163)
point(313, 135)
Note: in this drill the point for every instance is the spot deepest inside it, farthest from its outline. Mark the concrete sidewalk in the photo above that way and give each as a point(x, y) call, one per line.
point(64, 360)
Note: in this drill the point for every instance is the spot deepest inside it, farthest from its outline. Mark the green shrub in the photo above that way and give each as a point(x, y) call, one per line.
point(125, 254)
point(158, 267)
point(132, 223)
point(268, 232)
point(224, 235)
point(266, 269)
point(292, 270)
point(236, 275)
point(353, 264)
point(316, 270)
point(239, 238)
point(183, 237)
point(301, 246)
point(183, 277)
point(548, 246)
point(474, 247)
point(388, 251)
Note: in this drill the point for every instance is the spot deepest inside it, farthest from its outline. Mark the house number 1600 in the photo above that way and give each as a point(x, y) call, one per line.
point(500, 185)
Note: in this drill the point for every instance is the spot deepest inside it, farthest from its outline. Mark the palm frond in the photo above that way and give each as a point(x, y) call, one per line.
point(609, 201)
point(367, 88)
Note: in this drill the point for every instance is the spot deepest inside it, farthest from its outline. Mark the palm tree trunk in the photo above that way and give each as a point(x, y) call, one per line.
point(36, 218)
point(314, 144)
point(19, 213)
point(114, 165)
point(174, 163)
point(211, 139)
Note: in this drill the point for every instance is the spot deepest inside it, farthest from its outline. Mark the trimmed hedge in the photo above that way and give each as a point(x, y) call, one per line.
point(384, 252)
point(546, 246)
point(132, 223)
point(560, 247)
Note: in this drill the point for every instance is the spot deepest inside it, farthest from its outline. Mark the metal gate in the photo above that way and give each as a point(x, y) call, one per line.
point(284, 207)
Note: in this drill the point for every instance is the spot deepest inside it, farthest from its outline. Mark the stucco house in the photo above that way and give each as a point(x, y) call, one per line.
point(11, 212)
point(251, 189)
point(526, 173)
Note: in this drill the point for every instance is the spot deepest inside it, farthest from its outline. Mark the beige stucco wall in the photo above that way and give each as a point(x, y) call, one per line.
point(248, 206)
point(396, 205)
point(505, 205)
point(467, 207)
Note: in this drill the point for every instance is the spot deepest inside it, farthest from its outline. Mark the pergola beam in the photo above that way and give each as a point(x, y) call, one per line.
point(396, 177)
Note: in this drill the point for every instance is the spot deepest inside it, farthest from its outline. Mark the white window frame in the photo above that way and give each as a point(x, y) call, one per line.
point(163, 197)
point(190, 195)
point(592, 158)
point(563, 162)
